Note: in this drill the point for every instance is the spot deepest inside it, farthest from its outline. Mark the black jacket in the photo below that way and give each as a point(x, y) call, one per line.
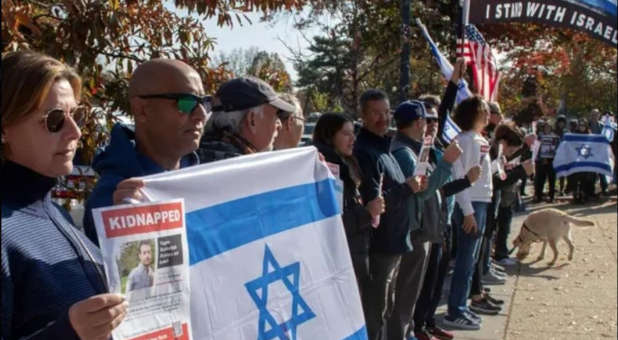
point(222, 145)
point(374, 157)
point(356, 218)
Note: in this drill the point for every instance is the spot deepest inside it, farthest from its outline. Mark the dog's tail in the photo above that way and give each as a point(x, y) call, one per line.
point(579, 221)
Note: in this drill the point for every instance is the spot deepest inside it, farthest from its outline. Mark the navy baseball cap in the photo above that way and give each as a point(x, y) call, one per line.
point(247, 92)
point(409, 111)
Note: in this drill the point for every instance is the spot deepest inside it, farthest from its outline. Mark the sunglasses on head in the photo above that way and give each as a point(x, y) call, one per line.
point(55, 118)
point(186, 102)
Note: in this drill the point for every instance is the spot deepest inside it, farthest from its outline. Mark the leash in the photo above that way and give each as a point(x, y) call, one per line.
point(519, 237)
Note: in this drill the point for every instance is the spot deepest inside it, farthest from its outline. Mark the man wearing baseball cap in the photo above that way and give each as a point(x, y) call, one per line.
point(245, 119)
point(410, 117)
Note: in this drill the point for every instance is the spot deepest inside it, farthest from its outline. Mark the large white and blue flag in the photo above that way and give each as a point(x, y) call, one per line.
point(583, 153)
point(267, 248)
point(451, 130)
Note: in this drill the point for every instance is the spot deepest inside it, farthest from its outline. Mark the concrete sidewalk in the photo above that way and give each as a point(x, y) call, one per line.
point(572, 300)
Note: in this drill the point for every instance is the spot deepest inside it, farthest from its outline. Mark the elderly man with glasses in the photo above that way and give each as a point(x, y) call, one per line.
point(292, 125)
point(170, 110)
point(246, 117)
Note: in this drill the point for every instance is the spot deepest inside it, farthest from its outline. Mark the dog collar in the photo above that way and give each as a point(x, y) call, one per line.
point(532, 232)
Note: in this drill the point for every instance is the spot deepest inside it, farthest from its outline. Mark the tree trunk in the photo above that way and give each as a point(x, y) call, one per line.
point(404, 76)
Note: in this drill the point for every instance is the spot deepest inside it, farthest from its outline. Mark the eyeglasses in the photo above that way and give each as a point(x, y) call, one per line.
point(283, 115)
point(431, 120)
point(55, 118)
point(186, 102)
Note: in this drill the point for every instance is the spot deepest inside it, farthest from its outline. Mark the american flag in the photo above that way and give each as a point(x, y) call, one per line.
point(481, 60)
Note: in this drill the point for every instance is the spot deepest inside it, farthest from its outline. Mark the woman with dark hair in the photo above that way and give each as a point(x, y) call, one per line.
point(471, 115)
point(53, 284)
point(334, 137)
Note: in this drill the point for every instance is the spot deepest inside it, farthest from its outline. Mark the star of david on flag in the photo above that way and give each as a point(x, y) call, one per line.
point(584, 151)
point(268, 327)
point(268, 259)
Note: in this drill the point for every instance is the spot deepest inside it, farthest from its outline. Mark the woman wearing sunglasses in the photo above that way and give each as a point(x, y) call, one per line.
point(53, 286)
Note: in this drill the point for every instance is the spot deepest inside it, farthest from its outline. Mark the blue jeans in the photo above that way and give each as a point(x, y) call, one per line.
point(468, 248)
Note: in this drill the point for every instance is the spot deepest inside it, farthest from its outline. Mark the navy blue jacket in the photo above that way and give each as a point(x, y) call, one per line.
point(374, 157)
point(47, 264)
point(118, 161)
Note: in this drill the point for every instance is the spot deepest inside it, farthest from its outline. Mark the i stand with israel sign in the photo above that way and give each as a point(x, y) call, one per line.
point(267, 249)
point(584, 153)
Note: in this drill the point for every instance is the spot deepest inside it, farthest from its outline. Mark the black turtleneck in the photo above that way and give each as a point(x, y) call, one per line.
point(23, 185)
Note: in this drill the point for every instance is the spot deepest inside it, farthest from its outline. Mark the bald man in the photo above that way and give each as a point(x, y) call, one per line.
point(169, 108)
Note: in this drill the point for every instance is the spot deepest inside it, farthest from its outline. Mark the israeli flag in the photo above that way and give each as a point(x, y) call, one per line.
point(583, 153)
point(267, 249)
point(609, 128)
point(451, 130)
point(446, 67)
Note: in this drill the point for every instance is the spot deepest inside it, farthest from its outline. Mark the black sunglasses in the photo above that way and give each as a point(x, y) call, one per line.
point(186, 102)
point(431, 120)
point(55, 118)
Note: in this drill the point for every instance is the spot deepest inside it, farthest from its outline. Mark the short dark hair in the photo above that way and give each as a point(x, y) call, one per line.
point(143, 243)
point(468, 112)
point(430, 100)
point(509, 133)
point(369, 96)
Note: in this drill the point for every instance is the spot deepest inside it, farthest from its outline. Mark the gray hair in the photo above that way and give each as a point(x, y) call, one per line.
point(292, 99)
point(221, 120)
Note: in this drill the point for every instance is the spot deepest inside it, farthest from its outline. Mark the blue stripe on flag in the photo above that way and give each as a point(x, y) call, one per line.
point(214, 230)
point(360, 334)
point(584, 138)
point(569, 166)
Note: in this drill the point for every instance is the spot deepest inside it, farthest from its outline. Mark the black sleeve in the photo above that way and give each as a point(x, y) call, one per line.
point(511, 177)
point(456, 186)
point(356, 220)
point(446, 105)
point(371, 172)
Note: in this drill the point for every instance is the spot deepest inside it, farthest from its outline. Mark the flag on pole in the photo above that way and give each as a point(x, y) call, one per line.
point(268, 254)
point(479, 56)
point(609, 128)
point(451, 130)
point(445, 65)
point(583, 153)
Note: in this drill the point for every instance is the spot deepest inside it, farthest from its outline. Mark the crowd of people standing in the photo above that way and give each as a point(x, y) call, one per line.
point(404, 227)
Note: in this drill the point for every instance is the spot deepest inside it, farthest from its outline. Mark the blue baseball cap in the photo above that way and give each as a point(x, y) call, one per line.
point(409, 111)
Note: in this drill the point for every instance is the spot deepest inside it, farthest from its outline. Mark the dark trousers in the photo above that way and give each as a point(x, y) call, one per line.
point(561, 181)
point(582, 185)
point(384, 269)
point(544, 171)
point(409, 283)
point(604, 183)
point(431, 293)
point(522, 189)
point(505, 216)
point(361, 269)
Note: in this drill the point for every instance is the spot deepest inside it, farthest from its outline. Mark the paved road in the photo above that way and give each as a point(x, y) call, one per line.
point(575, 300)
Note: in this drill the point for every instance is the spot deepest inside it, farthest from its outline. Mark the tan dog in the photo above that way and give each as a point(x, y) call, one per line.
point(547, 226)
